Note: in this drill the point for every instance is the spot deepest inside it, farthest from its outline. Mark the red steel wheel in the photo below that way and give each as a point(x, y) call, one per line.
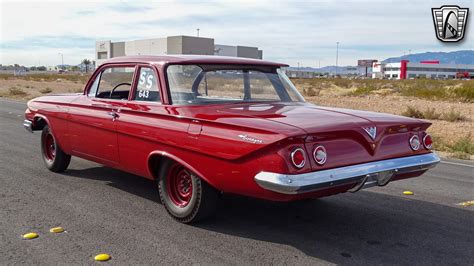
point(54, 157)
point(49, 148)
point(179, 185)
point(185, 196)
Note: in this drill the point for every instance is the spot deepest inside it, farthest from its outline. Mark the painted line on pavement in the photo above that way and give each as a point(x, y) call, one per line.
point(460, 164)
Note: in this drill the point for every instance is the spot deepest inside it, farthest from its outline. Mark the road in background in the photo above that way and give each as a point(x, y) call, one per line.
point(108, 211)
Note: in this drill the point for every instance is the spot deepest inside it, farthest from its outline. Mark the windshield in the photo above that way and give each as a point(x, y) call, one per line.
point(208, 84)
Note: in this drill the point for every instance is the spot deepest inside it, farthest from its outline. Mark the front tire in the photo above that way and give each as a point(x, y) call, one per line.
point(55, 159)
point(185, 196)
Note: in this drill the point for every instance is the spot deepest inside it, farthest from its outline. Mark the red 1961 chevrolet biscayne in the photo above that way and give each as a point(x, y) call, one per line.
point(205, 125)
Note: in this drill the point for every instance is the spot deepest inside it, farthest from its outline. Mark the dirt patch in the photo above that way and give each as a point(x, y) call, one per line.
point(21, 89)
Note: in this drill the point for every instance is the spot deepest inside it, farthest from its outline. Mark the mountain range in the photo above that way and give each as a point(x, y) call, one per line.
point(455, 57)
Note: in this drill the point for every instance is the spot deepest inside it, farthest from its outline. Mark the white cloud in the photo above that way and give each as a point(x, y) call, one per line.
point(302, 31)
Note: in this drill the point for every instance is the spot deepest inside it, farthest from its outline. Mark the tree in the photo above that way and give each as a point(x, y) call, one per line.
point(86, 63)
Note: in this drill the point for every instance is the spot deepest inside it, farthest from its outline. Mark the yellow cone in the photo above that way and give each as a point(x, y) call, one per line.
point(407, 192)
point(56, 230)
point(102, 257)
point(30, 235)
point(466, 203)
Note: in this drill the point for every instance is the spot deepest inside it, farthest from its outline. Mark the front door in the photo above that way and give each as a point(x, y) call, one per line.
point(92, 117)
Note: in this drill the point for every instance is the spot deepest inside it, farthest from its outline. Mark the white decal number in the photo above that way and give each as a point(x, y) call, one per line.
point(146, 79)
point(143, 93)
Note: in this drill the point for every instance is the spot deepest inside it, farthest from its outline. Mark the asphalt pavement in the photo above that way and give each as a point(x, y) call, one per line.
point(108, 211)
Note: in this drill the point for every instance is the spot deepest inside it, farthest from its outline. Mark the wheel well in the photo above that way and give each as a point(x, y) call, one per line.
point(39, 123)
point(156, 161)
point(154, 164)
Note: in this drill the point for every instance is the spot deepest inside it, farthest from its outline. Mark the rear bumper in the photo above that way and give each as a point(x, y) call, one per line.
point(28, 125)
point(361, 175)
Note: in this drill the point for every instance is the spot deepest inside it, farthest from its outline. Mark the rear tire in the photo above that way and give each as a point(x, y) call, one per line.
point(185, 196)
point(55, 159)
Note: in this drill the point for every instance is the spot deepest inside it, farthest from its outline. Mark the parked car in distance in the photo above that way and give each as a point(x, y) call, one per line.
point(205, 125)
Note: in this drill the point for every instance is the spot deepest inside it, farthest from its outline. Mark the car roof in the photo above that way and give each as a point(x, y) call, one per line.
point(192, 59)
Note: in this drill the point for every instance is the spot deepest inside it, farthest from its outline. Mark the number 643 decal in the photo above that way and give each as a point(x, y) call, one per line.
point(143, 93)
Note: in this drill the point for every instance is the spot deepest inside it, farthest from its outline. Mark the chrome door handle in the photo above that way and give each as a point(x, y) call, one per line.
point(114, 115)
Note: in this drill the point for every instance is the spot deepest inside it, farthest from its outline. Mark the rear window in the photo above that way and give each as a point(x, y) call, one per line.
point(208, 84)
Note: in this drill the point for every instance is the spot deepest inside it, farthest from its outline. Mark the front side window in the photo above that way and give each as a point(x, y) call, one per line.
point(113, 83)
point(147, 86)
point(208, 84)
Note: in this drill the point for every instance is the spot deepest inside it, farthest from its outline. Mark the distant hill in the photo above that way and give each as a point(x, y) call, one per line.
point(329, 69)
point(456, 57)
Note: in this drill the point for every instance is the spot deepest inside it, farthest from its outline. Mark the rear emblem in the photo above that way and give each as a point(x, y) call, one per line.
point(371, 131)
point(251, 139)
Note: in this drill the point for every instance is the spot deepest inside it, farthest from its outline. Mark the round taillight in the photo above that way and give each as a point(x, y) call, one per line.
point(415, 143)
point(320, 155)
point(298, 157)
point(427, 141)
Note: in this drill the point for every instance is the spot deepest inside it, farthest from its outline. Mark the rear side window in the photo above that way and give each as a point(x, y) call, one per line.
point(147, 87)
point(113, 83)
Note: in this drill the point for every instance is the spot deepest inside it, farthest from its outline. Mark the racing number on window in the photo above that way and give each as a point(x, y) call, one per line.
point(147, 89)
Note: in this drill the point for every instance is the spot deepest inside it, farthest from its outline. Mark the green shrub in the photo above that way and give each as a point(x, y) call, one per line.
point(465, 93)
point(14, 91)
point(46, 90)
point(464, 145)
point(310, 92)
point(431, 114)
point(413, 112)
point(453, 116)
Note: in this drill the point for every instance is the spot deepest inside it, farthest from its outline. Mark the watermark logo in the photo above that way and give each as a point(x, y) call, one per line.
point(450, 22)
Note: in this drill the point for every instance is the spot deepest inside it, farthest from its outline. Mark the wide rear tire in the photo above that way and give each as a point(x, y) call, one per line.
point(55, 159)
point(185, 196)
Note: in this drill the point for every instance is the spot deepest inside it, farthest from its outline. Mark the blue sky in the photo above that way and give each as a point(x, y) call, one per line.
point(305, 32)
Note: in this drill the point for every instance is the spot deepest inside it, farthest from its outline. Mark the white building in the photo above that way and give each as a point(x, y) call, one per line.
point(424, 69)
point(171, 45)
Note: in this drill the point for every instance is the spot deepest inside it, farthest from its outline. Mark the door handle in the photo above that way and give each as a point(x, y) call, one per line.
point(114, 115)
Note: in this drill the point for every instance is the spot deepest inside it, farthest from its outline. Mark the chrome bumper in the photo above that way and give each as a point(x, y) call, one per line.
point(28, 125)
point(362, 175)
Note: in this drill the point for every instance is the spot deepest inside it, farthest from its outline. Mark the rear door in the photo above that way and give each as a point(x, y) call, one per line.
point(92, 117)
point(141, 120)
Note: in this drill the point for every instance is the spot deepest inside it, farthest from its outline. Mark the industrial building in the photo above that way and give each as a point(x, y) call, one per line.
point(171, 45)
point(424, 69)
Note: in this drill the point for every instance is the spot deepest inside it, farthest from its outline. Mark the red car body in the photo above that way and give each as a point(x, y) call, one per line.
point(229, 145)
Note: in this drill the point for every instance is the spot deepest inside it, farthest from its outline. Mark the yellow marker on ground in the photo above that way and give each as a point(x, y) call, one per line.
point(56, 230)
point(30, 235)
point(466, 203)
point(102, 257)
point(407, 192)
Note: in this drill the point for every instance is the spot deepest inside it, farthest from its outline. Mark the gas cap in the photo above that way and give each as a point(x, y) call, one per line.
point(195, 128)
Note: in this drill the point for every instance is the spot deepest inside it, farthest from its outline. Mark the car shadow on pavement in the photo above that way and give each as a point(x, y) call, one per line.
point(366, 227)
point(361, 228)
point(130, 183)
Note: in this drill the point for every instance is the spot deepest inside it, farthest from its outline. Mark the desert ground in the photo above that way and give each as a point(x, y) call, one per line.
point(447, 104)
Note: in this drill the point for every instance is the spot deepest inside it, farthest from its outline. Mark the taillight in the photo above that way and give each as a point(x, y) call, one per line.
point(415, 142)
point(298, 157)
point(427, 141)
point(320, 155)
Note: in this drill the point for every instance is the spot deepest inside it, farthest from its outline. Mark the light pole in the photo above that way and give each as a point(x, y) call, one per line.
point(62, 60)
point(198, 31)
point(337, 55)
